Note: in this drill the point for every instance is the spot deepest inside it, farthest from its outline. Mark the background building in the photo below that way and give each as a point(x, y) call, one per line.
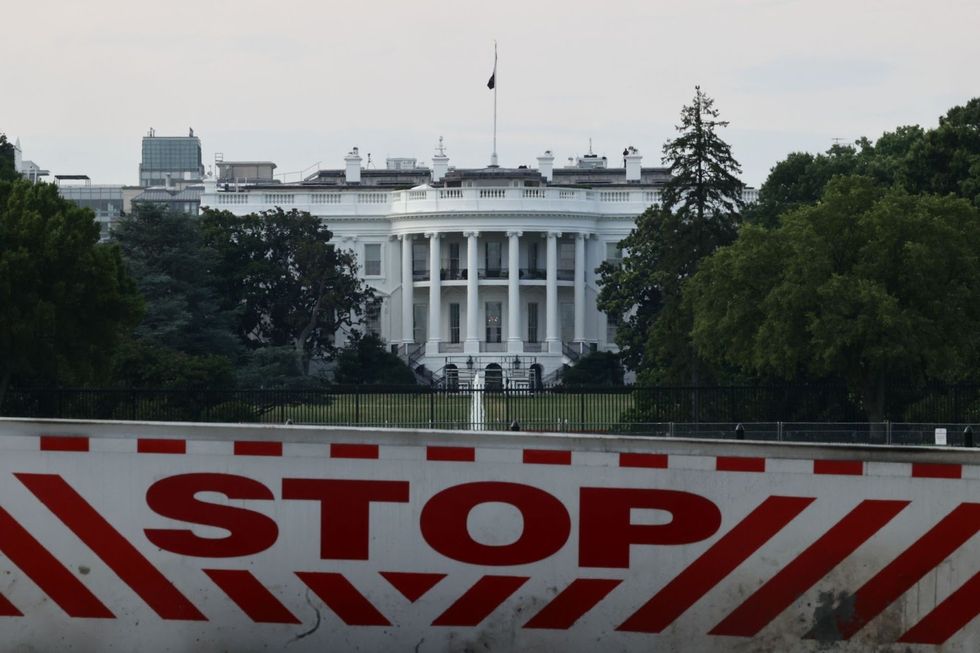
point(171, 160)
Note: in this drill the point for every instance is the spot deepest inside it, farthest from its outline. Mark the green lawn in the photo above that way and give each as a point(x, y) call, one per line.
point(412, 410)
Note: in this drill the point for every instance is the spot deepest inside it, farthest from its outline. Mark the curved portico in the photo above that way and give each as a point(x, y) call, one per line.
point(494, 291)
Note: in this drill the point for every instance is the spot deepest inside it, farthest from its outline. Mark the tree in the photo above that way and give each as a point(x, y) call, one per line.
point(942, 160)
point(365, 361)
point(295, 288)
point(65, 298)
point(186, 337)
point(870, 285)
point(7, 160)
point(700, 212)
point(174, 269)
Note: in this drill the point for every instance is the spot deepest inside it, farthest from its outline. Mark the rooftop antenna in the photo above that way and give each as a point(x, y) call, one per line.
point(590, 146)
point(492, 85)
point(839, 141)
point(369, 163)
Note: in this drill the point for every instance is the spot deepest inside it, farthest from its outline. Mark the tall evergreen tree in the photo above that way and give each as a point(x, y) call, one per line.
point(700, 212)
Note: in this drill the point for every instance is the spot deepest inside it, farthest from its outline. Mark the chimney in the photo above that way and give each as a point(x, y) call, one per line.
point(440, 162)
point(632, 159)
point(546, 165)
point(353, 161)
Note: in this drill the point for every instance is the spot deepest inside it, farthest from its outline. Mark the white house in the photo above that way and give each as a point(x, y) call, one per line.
point(480, 269)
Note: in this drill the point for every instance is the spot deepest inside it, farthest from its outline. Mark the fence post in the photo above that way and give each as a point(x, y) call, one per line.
point(779, 431)
point(357, 405)
point(581, 409)
point(432, 408)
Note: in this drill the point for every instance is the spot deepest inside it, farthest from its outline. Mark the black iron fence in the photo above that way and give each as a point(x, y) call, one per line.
point(768, 412)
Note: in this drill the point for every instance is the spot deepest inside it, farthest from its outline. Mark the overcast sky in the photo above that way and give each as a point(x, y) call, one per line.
point(301, 82)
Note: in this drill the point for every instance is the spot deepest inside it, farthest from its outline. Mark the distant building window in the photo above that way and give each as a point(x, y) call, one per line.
point(372, 259)
point(566, 256)
point(612, 324)
point(372, 320)
point(533, 262)
point(613, 253)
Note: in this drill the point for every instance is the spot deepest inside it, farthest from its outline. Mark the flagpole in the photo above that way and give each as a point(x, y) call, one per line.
point(493, 157)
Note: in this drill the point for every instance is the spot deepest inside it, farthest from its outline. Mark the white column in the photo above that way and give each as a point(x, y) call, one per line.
point(515, 343)
point(471, 344)
point(435, 295)
point(580, 287)
point(408, 290)
point(551, 294)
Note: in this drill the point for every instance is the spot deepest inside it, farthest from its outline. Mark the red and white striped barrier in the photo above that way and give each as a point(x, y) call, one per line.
point(134, 536)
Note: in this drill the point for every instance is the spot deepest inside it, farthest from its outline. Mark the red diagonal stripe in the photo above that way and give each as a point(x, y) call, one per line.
point(902, 573)
point(454, 454)
point(547, 457)
point(8, 609)
point(45, 570)
point(479, 601)
point(809, 567)
point(574, 601)
point(651, 460)
point(251, 596)
point(257, 448)
point(839, 467)
point(343, 598)
point(936, 470)
point(740, 464)
point(114, 550)
point(342, 450)
point(954, 613)
point(715, 564)
point(412, 585)
point(160, 445)
point(64, 443)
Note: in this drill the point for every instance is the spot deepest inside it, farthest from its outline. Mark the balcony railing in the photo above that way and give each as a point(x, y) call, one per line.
point(532, 273)
point(493, 273)
point(420, 275)
point(381, 203)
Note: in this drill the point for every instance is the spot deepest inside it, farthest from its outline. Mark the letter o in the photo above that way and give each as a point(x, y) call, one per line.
point(546, 523)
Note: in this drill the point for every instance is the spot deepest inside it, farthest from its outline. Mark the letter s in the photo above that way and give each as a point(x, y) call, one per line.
point(174, 497)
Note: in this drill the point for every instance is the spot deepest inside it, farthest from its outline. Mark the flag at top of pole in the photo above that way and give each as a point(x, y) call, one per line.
point(493, 76)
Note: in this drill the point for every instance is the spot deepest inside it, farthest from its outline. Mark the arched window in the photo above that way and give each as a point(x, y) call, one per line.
point(452, 376)
point(494, 377)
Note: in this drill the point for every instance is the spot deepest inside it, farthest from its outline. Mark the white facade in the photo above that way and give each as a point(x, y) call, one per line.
point(516, 252)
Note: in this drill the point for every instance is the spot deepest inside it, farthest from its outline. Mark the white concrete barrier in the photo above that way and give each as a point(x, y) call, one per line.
point(177, 537)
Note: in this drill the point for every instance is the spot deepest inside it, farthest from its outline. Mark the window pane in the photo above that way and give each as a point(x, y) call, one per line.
point(372, 259)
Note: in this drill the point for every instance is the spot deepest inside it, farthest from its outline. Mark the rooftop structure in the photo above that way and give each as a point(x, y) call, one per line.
point(170, 160)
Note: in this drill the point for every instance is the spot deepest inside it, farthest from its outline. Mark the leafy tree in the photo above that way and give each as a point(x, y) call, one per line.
point(7, 160)
point(947, 159)
point(295, 288)
point(869, 285)
point(65, 298)
point(174, 270)
point(700, 212)
point(943, 160)
point(365, 361)
point(595, 369)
